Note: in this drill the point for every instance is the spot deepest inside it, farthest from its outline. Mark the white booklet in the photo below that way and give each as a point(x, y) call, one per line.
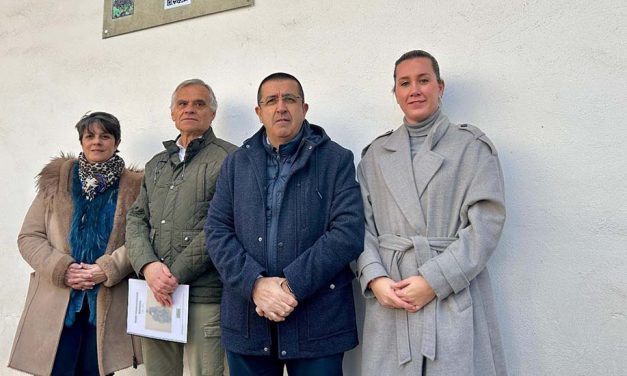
point(147, 318)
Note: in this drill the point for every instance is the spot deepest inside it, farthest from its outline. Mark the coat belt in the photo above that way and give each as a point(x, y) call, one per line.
point(422, 246)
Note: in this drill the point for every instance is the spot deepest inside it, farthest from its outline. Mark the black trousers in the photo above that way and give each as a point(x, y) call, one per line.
point(77, 353)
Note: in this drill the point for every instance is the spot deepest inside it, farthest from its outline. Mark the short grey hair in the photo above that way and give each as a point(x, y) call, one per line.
point(213, 103)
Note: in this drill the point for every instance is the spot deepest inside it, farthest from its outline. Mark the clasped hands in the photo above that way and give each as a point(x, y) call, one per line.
point(273, 298)
point(410, 294)
point(161, 282)
point(84, 276)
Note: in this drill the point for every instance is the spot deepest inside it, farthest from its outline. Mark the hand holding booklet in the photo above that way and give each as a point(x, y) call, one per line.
point(147, 318)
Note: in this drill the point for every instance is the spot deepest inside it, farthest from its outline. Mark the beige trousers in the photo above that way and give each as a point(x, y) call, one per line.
point(205, 355)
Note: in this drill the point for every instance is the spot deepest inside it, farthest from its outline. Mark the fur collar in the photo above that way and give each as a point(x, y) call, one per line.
point(56, 175)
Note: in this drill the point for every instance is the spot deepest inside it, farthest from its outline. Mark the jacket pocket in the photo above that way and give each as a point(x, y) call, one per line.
point(331, 310)
point(301, 219)
point(33, 286)
point(212, 339)
point(206, 180)
point(312, 210)
point(234, 313)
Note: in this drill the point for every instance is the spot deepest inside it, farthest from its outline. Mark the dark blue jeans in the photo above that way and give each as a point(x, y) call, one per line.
point(244, 365)
point(77, 353)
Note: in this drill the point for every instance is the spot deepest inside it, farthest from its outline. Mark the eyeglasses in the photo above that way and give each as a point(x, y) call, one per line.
point(273, 100)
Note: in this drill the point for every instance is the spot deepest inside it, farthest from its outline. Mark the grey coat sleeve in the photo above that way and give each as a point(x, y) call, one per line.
point(482, 218)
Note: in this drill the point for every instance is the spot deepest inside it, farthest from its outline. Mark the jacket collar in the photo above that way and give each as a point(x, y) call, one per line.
point(285, 150)
point(312, 134)
point(398, 140)
point(193, 147)
point(313, 137)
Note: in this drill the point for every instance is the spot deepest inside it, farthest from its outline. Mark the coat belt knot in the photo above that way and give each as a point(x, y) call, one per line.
point(424, 248)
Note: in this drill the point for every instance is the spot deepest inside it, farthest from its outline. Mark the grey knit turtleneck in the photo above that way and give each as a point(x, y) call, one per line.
point(418, 132)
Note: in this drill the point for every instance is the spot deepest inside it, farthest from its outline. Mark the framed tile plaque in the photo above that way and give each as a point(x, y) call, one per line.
point(125, 16)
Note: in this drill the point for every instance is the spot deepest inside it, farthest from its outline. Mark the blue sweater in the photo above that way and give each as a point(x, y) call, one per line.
point(320, 231)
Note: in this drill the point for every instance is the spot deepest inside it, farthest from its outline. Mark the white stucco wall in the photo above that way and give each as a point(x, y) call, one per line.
point(544, 79)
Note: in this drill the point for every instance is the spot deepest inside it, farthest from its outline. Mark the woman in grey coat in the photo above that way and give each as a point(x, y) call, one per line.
point(434, 208)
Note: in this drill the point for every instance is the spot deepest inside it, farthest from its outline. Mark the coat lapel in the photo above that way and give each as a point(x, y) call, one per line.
point(426, 163)
point(395, 165)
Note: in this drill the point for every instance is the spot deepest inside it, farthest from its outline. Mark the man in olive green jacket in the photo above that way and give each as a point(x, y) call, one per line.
point(164, 233)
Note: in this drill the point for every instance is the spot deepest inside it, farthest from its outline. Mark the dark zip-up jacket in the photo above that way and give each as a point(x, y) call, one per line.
point(320, 231)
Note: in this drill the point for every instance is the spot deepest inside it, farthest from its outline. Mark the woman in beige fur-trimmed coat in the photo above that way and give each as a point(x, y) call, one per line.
point(434, 210)
point(74, 319)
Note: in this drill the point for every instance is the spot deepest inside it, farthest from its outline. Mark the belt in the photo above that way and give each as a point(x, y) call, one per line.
point(423, 247)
